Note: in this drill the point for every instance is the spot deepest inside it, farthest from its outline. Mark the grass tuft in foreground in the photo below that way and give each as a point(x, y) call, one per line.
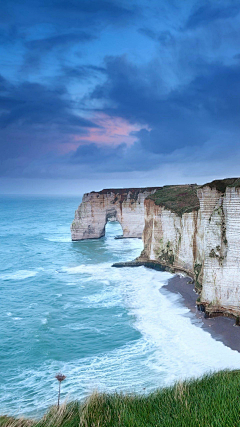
point(212, 401)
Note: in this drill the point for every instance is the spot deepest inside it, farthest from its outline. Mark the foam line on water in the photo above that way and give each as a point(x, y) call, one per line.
point(59, 239)
point(18, 275)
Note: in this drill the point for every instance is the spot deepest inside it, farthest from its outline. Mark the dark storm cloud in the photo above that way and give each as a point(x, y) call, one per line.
point(36, 104)
point(32, 117)
point(186, 116)
point(92, 153)
point(211, 12)
point(114, 159)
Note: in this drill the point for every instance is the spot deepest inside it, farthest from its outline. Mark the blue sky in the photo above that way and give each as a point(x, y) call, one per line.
point(105, 93)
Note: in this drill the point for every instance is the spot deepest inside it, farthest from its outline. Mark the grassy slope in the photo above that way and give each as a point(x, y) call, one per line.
point(177, 198)
point(222, 184)
point(212, 401)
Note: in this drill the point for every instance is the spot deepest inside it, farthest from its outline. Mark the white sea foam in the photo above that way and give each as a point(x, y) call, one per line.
point(59, 239)
point(91, 269)
point(184, 349)
point(83, 327)
point(18, 275)
point(180, 349)
point(106, 298)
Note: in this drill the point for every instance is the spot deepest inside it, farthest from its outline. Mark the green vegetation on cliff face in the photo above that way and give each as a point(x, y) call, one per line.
point(177, 198)
point(211, 401)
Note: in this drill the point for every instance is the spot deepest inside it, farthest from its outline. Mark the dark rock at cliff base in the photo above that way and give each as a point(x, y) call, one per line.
point(148, 264)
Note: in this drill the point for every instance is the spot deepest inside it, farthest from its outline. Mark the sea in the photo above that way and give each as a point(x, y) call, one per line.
point(64, 308)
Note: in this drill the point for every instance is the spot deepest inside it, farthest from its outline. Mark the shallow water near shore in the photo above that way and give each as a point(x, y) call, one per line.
point(64, 308)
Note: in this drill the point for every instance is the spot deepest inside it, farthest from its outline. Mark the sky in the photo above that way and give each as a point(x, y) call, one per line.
point(112, 93)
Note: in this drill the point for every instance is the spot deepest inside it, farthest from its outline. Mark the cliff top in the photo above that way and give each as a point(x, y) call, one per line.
point(222, 184)
point(122, 194)
point(125, 190)
point(177, 198)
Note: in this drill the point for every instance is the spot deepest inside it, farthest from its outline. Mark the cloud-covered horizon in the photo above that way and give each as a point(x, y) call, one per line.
point(93, 89)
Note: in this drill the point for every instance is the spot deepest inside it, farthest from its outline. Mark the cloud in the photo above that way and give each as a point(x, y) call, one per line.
point(148, 32)
point(209, 13)
point(81, 72)
point(93, 154)
point(60, 40)
point(111, 10)
point(186, 116)
point(34, 120)
point(172, 97)
point(34, 104)
point(165, 38)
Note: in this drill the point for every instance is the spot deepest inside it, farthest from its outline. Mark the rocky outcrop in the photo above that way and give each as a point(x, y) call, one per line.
point(185, 228)
point(123, 205)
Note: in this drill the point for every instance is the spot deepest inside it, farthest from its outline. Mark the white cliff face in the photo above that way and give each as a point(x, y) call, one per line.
point(221, 223)
point(170, 239)
point(205, 244)
point(124, 206)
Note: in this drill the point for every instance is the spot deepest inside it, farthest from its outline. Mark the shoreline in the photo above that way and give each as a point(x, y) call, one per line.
point(221, 328)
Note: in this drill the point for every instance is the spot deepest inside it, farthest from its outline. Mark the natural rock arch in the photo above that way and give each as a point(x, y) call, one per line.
point(124, 205)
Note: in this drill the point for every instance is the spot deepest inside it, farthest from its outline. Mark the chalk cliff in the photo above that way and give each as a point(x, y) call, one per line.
point(188, 228)
point(200, 236)
point(123, 205)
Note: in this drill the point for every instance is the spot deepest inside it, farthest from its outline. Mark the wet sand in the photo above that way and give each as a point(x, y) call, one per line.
point(221, 328)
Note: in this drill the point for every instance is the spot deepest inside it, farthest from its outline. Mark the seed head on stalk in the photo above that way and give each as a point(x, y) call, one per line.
point(60, 377)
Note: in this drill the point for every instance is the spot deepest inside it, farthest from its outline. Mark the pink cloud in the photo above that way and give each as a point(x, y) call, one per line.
point(114, 131)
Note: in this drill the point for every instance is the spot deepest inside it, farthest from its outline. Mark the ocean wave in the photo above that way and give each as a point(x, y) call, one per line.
point(18, 275)
point(93, 269)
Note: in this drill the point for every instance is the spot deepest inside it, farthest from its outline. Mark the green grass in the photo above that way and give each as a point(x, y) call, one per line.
point(177, 198)
point(222, 184)
point(212, 401)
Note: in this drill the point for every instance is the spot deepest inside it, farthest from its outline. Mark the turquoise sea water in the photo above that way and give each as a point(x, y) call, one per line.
point(64, 308)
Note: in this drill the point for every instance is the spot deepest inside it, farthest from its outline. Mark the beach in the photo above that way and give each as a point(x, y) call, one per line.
point(221, 328)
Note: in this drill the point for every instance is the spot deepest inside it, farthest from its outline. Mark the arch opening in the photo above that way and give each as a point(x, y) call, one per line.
point(113, 228)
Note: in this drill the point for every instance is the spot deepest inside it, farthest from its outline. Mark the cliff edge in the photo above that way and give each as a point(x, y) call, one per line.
point(189, 228)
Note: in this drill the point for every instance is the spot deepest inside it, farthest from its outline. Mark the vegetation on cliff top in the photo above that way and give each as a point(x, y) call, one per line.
point(222, 184)
point(210, 401)
point(177, 198)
